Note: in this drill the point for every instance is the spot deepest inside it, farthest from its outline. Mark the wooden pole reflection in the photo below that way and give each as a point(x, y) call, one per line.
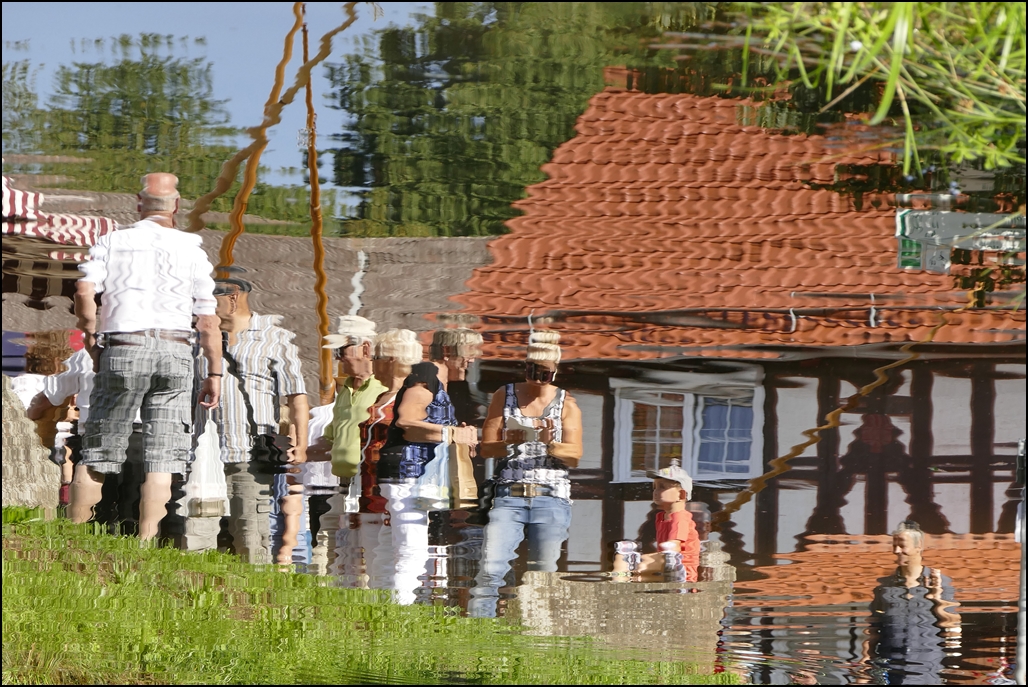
point(260, 143)
point(272, 116)
point(326, 381)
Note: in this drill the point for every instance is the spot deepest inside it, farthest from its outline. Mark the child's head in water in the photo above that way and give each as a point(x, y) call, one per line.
point(671, 485)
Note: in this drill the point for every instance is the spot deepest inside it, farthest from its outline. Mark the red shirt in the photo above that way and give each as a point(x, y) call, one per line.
point(679, 526)
point(373, 438)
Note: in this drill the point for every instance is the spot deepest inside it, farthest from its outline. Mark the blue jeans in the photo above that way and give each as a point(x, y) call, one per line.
point(545, 519)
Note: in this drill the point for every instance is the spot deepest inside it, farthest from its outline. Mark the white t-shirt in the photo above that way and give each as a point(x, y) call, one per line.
point(77, 380)
point(318, 473)
point(152, 277)
point(26, 386)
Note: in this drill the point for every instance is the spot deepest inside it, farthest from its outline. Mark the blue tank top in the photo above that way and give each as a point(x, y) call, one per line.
point(401, 459)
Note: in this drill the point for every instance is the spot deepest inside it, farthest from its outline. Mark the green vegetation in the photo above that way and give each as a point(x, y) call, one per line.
point(952, 74)
point(145, 110)
point(83, 607)
point(456, 115)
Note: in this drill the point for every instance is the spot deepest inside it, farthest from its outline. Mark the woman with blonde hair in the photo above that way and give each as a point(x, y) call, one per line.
point(534, 430)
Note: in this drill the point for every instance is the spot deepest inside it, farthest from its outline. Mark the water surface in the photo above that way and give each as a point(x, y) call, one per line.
point(721, 286)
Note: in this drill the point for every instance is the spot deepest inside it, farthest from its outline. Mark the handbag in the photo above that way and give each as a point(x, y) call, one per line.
point(432, 490)
point(463, 486)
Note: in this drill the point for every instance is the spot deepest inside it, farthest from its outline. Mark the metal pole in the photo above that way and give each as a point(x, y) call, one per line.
point(1019, 673)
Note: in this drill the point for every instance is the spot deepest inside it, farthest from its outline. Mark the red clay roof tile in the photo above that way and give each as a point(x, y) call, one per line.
point(666, 201)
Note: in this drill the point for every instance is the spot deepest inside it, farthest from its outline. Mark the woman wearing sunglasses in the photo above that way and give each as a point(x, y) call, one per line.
point(534, 430)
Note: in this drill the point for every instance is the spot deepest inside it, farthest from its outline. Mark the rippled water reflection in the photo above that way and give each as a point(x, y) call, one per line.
point(719, 288)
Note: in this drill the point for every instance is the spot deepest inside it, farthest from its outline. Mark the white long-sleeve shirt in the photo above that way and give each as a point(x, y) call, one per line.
point(152, 277)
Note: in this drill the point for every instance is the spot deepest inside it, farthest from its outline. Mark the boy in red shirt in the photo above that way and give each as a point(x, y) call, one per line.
point(677, 538)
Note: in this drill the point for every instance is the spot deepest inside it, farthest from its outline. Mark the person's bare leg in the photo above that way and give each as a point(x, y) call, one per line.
point(651, 566)
point(154, 496)
point(292, 509)
point(67, 471)
point(86, 491)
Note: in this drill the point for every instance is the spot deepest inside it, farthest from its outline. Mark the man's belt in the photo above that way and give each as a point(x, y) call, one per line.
point(129, 338)
point(523, 490)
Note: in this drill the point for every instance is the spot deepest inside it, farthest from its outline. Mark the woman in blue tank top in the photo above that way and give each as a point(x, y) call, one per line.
point(422, 429)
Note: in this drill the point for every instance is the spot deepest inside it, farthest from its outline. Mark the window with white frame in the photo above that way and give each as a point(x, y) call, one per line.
point(714, 430)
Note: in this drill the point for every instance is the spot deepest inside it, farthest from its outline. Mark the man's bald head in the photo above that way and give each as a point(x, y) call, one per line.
point(159, 195)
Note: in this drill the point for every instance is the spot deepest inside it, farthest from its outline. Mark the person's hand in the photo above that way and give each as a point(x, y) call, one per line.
point(547, 431)
point(515, 436)
point(89, 341)
point(934, 585)
point(464, 435)
point(297, 455)
point(210, 392)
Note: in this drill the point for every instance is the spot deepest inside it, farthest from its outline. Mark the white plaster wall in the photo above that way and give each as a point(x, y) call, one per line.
point(743, 518)
point(796, 412)
point(951, 415)
point(585, 535)
point(592, 429)
point(897, 508)
point(1010, 410)
point(635, 515)
point(796, 502)
point(853, 512)
point(955, 500)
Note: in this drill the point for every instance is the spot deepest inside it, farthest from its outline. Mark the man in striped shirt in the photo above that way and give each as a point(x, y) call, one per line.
point(262, 370)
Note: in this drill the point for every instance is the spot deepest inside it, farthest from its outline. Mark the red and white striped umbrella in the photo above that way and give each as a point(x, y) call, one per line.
point(22, 217)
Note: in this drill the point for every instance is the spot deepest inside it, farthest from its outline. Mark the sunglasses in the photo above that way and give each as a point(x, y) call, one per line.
point(538, 373)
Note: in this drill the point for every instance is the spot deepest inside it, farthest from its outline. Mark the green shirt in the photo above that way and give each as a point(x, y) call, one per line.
point(352, 407)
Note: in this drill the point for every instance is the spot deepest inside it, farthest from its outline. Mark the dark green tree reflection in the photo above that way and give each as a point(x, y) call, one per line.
point(453, 117)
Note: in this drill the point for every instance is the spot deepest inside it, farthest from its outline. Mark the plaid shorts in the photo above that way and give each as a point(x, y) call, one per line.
point(155, 377)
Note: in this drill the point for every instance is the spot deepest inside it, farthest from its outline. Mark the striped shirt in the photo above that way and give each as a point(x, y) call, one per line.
point(152, 277)
point(260, 370)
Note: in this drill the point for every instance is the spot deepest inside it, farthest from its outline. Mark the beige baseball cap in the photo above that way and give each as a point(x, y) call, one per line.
point(675, 473)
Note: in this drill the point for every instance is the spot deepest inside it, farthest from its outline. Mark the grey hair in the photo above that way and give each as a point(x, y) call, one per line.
point(446, 342)
point(913, 529)
point(543, 346)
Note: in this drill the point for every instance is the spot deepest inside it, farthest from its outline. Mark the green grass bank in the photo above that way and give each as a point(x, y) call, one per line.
point(84, 607)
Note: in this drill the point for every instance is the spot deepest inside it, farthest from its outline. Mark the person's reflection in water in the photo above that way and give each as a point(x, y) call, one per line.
point(119, 503)
point(535, 429)
point(412, 468)
point(355, 393)
point(677, 536)
point(73, 387)
point(153, 280)
point(913, 621)
point(340, 444)
point(357, 546)
point(262, 368)
point(396, 352)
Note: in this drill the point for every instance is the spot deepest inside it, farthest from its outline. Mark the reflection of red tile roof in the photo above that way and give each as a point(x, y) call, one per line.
point(841, 569)
point(666, 202)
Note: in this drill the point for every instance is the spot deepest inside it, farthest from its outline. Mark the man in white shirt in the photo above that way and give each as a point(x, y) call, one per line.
point(154, 280)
